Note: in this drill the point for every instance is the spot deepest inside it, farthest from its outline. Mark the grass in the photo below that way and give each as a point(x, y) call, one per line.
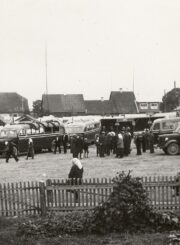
point(8, 227)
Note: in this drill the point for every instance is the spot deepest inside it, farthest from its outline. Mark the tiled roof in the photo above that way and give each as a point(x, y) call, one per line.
point(98, 107)
point(123, 102)
point(54, 103)
point(13, 103)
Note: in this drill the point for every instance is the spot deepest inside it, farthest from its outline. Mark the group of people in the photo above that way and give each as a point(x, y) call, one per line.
point(118, 143)
point(144, 141)
point(79, 146)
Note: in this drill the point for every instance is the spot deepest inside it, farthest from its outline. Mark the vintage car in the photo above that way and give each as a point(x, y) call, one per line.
point(43, 135)
point(164, 126)
point(170, 143)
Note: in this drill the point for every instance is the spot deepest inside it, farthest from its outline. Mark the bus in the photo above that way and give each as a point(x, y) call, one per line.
point(43, 135)
point(88, 129)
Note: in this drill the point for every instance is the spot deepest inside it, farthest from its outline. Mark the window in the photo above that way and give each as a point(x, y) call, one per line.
point(168, 125)
point(144, 106)
point(156, 126)
point(154, 105)
point(22, 132)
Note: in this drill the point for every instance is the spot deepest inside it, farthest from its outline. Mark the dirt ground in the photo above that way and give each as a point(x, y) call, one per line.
point(49, 165)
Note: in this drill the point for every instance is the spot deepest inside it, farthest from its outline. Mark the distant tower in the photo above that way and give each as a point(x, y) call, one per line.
point(174, 84)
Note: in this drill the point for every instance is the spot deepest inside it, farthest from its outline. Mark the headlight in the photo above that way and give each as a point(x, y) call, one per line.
point(166, 139)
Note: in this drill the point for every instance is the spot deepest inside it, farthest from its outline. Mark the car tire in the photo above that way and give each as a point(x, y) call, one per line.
point(173, 149)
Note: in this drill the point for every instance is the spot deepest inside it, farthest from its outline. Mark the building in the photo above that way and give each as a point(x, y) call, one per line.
point(13, 104)
point(149, 107)
point(61, 105)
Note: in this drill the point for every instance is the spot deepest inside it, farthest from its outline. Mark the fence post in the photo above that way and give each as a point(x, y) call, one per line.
point(42, 189)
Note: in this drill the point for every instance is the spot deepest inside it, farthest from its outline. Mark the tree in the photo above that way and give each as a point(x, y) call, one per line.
point(37, 107)
point(171, 100)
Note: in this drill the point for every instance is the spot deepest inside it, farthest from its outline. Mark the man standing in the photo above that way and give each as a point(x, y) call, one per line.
point(30, 150)
point(57, 144)
point(65, 141)
point(11, 150)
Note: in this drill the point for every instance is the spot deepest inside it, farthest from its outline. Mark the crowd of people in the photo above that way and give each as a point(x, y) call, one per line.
point(107, 143)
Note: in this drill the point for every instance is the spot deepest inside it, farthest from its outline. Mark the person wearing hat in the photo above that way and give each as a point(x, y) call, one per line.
point(75, 175)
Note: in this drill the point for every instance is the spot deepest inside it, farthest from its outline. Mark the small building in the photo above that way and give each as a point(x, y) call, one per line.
point(149, 107)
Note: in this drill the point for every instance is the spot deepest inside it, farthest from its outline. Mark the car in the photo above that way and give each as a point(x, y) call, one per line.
point(170, 143)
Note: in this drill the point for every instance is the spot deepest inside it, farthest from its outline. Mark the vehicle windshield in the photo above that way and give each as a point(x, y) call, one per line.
point(8, 133)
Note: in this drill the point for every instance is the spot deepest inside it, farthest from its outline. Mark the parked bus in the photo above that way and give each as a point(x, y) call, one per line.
point(88, 129)
point(43, 135)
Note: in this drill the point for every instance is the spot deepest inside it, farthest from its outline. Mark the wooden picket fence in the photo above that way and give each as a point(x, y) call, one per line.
point(32, 198)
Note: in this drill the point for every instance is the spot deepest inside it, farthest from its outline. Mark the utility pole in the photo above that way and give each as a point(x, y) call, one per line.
point(46, 78)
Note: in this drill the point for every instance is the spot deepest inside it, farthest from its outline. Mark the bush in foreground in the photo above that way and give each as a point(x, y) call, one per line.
point(126, 210)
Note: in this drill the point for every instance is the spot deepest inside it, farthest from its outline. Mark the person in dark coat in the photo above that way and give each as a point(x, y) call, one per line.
point(75, 175)
point(57, 144)
point(30, 149)
point(108, 140)
point(11, 150)
point(151, 142)
point(138, 143)
point(144, 141)
point(80, 142)
point(74, 146)
point(86, 147)
point(65, 142)
point(102, 144)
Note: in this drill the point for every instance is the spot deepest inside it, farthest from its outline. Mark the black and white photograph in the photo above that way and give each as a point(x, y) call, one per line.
point(89, 122)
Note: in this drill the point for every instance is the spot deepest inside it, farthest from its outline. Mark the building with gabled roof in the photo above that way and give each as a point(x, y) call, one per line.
point(13, 103)
point(123, 102)
point(98, 107)
point(63, 105)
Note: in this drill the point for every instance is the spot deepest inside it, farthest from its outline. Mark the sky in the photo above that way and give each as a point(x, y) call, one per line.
point(93, 47)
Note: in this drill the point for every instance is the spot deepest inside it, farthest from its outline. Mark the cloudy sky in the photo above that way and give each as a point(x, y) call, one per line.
point(93, 47)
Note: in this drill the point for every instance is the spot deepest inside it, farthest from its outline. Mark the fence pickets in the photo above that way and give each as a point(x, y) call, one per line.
point(55, 195)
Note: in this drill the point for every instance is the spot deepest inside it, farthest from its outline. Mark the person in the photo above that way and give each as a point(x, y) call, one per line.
point(120, 146)
point(11, 150)
point(86, 147)
point(75, 175)
point(102, 144)
point(138, 143)
point(30, 149)
point(80, 142)
point(151, 142)
point(65, 141)
point(74, 146)
point(57, 144)
point(97, 145)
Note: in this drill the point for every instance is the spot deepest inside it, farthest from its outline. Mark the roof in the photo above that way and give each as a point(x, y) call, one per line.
point(98, 107)
point(63, 103)
point(123, 102)
point(13, 103)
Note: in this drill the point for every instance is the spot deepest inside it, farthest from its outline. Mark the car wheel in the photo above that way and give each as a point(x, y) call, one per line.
point(173, 149)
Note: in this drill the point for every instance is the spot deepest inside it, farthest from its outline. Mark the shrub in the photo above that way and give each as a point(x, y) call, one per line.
point(127, 209)
point(69, 223)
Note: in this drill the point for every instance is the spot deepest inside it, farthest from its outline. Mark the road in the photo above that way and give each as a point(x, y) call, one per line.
point(49, 165)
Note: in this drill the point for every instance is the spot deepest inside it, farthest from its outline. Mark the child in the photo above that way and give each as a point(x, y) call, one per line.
point(86, 148)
